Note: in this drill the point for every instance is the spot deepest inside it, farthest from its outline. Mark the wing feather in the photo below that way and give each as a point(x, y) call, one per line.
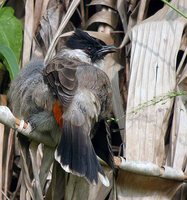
point(75, 152)
point(60, 75)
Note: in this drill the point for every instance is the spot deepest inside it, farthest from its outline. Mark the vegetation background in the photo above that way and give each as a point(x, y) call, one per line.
point(148, 77)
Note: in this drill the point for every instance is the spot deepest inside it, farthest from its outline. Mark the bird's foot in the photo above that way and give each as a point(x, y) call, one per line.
point(24, 128)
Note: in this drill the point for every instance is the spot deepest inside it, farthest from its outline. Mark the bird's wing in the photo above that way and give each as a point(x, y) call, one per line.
point(102, 142)
point(28, 93)
point(75, 152)
point(60, 75)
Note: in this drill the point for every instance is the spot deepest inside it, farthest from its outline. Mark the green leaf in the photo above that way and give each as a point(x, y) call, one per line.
point(11, 33)
point(9, 59)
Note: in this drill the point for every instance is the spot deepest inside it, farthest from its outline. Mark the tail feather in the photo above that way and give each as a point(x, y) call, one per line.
point(75, 154)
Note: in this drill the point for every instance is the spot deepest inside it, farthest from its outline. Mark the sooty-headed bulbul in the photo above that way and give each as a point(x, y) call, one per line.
point(64, 98)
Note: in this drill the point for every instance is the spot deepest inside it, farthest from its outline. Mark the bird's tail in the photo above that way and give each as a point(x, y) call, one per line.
point(76, 155)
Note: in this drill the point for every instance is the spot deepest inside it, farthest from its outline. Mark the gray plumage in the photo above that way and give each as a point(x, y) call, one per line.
point(31, 100)
point(84, 93)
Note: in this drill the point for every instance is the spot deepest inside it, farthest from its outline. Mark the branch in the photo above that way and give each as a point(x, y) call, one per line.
point(137, 167)
point(8, 119)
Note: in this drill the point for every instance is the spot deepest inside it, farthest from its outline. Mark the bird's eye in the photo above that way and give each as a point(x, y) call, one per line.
point(89, 48)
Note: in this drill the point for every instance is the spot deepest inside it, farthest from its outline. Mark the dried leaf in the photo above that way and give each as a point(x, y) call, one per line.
point(37, 14)
point(142, 10)
point(3, 101)
point(109, 18)
point(26, 185)
point(152, 74)
point(9, 161)
point(28, 31)
point(122, 10)
point(40, 9)
point(78, 188)
point(47, 161)
point(73, 6)
point(111, 68)
point(178, 144)
point(168, 13)
point(37, 185)
point(49, 25)
point(108, 3)
point(133, 186)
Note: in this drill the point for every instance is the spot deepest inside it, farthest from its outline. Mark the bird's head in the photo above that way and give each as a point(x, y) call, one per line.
point(93, 47)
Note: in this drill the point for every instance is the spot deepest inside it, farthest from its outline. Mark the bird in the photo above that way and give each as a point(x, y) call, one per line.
point(62, 100)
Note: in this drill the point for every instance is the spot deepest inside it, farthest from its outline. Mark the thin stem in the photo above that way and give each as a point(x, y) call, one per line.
point(151, 102)
point(174, 8)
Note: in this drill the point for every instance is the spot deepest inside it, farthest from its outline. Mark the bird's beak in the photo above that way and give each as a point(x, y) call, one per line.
point(106, 49)
point(102, 52)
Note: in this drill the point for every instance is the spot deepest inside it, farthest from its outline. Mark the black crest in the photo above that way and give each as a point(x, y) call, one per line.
point(82, 40)
point(93, 47)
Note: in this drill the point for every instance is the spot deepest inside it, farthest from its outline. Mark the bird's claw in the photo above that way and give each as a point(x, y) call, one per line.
point(25, 131)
